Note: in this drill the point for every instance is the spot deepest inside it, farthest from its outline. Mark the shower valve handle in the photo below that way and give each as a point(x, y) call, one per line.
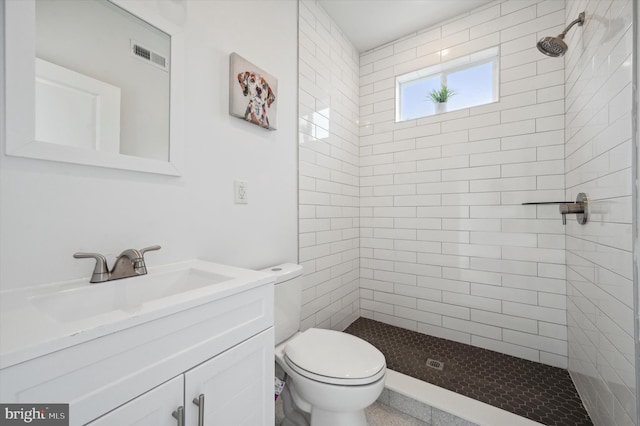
point(580, 208)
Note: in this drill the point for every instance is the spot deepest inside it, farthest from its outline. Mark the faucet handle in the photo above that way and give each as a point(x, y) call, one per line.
point(100, 271)
point(151, 248)
point(140, 265)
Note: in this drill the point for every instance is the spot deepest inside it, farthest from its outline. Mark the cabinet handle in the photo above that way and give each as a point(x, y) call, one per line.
point(179, 415)
point(199, 401)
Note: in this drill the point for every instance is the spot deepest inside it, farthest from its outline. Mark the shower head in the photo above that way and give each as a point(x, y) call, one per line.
point(555, 46)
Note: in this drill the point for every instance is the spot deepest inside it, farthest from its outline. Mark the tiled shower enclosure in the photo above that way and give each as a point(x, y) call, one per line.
point(420, 224)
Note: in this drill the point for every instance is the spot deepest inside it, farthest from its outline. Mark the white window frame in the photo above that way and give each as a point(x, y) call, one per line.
point(443, 69)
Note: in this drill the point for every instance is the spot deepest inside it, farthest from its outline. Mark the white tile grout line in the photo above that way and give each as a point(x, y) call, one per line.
point(459, 405)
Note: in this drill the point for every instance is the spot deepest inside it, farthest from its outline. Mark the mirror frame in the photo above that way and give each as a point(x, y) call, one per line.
point(20, 53)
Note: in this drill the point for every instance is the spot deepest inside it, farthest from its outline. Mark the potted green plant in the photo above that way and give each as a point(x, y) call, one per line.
point(440, 97)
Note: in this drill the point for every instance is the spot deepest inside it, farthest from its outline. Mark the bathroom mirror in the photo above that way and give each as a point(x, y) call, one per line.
point(95, 82)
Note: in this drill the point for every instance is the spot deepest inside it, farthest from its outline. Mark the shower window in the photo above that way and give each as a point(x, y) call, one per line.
point(473, 78)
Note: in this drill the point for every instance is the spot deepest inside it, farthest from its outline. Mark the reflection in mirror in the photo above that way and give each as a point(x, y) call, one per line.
point(102, 79)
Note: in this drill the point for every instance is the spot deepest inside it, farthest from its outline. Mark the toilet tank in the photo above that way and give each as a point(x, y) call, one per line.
point(288, 299)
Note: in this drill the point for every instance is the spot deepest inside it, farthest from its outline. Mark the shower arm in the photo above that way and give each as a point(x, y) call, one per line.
point(579, 21)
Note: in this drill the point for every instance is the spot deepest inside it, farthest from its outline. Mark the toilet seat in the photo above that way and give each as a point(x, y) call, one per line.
point(334, 357)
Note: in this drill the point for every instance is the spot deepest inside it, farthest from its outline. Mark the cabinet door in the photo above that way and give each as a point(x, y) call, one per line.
point(152, 408)
point(237, 385)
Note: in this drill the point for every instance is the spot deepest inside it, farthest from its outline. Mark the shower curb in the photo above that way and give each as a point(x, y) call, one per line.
point(437, 406)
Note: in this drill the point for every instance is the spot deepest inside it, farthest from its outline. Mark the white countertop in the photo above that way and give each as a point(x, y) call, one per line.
point(28, 331)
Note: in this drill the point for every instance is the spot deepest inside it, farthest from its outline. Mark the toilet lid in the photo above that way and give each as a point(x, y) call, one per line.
point(335, 357)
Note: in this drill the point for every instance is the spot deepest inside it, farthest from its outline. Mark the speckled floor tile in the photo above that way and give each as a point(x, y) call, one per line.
point(377, 414)
point(536, 391)
point(382, 415)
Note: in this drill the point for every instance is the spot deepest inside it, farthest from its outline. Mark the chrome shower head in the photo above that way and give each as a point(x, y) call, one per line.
point(555, 46)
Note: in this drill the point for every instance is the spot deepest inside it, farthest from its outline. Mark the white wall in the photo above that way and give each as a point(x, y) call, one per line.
point(598, 162)
point(50, 210)
point(446, 246)
point(329, 203)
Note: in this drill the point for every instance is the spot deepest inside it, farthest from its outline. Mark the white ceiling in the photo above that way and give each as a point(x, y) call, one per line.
point(372, 23)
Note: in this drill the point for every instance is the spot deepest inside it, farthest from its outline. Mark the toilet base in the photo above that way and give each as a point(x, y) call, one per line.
point(298, 412)
point(318, 417)
point(292, 415)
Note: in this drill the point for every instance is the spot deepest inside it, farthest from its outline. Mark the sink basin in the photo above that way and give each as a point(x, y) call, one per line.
point(128, 295)
point(46, 318)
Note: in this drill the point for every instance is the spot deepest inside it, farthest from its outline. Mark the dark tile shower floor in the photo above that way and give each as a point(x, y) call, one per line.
point(529, 389)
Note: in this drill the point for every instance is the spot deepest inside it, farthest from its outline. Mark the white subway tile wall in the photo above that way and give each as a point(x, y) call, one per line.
point(599, 260)
point(329, 171)
point(420, 225)
point(447, 248)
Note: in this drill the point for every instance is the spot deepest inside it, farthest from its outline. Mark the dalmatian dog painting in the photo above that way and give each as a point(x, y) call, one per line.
point(252, 93)
point(256, 87)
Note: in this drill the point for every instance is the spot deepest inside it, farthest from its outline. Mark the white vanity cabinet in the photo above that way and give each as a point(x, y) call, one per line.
point(234, 388)
point(151, 408)
point(221, 348)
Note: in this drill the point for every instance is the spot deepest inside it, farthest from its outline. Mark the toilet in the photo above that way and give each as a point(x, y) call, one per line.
point(331, 376)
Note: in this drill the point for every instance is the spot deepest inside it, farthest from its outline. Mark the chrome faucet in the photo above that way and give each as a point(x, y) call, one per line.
point(130, 263)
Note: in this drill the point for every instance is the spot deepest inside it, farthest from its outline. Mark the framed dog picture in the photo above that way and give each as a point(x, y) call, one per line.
point(253, 93)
